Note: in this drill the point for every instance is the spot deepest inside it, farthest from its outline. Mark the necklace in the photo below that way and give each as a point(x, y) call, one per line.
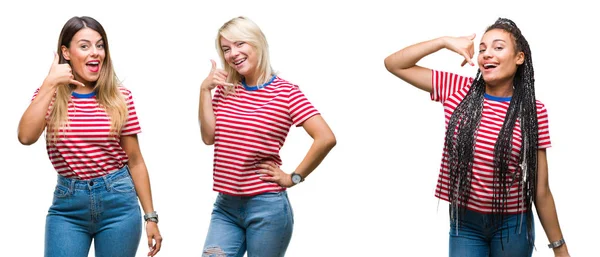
point(257, 87)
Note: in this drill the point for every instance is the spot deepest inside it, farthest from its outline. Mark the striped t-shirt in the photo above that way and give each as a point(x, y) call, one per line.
point(450, 89)
point(251, 127)
point(84, 149)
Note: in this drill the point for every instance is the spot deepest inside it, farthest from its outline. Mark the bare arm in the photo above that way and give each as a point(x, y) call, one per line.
point(141, 180)
point(324, 141)
point(206, 114)
point(544, 204)
point(33, 121)
point(403, 63)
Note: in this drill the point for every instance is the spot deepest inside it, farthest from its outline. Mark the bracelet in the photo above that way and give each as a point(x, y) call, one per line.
point(557, 244)
point(151, 216)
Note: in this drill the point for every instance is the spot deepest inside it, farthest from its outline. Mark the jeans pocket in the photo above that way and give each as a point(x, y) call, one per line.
point(61, 191)
point(123, 185)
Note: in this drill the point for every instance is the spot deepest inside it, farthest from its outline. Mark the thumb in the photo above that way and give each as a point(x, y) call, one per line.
point(56, 59)
point(214, 65)
point(471, 37)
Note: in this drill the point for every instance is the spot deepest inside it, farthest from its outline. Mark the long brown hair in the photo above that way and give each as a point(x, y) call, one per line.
point(107, 89)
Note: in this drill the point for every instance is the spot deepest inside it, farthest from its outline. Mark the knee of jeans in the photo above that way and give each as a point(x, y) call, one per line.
point(213, 251)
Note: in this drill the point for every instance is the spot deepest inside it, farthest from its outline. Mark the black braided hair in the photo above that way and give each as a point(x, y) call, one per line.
point(462, 132)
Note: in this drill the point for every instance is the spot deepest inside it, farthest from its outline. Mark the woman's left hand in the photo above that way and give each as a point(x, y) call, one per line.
point(272, 173)
point(153, 233)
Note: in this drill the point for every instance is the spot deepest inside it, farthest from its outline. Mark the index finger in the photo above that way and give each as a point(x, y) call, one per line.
point(467, 60)
point(157, 247)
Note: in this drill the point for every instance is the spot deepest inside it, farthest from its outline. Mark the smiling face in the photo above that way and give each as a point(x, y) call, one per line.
point(498, 57)
point(86, 55)
point(242, 57)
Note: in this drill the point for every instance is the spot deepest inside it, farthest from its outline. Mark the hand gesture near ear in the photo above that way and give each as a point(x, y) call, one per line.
point(61, 74)
point(215, 77)
point(463, 46)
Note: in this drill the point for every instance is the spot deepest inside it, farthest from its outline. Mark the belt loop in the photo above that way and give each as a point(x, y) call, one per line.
point(71, 186)
point(107, 183)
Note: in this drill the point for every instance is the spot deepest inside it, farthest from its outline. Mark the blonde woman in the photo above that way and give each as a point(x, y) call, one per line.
point(247, 120)
point(91, 126)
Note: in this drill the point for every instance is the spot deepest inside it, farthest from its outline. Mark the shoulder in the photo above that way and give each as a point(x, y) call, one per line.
point(540, 106)
point(125, 91)
point(281, 83)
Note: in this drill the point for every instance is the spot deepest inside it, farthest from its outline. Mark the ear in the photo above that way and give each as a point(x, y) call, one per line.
point(520, 58)
point(65, 53)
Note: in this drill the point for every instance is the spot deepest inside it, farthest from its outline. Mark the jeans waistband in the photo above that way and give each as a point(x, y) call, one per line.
point(88, 184)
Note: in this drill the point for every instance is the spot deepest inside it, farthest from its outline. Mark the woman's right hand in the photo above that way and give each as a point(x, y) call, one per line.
point(463, 46)
point(214, 78)
point(60, 74)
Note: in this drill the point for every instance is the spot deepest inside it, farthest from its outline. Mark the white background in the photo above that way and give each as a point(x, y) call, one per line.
point(374, 194)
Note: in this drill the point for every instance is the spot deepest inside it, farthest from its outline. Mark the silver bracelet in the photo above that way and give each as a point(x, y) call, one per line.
point(151, 216)
point(557, 244)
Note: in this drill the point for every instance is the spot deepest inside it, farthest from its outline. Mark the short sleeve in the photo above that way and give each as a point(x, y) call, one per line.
point(132, 126)
point(445, 84)
point(543, 127)
point(300, 109)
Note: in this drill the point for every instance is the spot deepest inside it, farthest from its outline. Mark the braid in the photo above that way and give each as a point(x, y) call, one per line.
point(462, 130)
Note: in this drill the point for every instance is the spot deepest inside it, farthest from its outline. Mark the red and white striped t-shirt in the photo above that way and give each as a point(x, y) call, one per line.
point(251, 127)
point(84, 149)
point(450, 89)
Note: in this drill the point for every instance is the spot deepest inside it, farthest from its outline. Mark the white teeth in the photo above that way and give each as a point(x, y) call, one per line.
point(93, 63)
point(240, 61)
point(489, 65)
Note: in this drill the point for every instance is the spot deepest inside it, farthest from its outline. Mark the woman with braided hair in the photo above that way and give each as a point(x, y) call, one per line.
point(494, 160)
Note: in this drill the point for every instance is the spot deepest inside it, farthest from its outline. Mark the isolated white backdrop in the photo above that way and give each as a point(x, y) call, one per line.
point(374, 194)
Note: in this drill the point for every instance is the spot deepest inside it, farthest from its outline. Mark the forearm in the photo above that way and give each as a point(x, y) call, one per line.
point(141, 180)
point(546, 211)
point(317, 152)
point(409, 56)
point(206, 116)
point(33, 121)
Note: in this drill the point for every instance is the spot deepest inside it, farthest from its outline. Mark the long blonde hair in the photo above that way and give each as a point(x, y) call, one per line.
point(107, 90)
point(245, 30)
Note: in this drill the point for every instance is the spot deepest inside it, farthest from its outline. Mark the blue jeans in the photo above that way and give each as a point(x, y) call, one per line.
point(260, 224)
point(477, 237)
point(105, 209)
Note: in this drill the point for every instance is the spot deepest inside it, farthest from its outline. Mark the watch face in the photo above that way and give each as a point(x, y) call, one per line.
point(296, 178)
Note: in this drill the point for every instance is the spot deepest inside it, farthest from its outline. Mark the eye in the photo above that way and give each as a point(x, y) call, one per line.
point(498, 48)
point(84, 47)
point(481, 50)
point(240, 43)
point(100, 46)
point(225, 50)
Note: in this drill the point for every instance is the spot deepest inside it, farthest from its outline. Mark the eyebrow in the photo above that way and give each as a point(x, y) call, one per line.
point(495, 40)
point(87, 41)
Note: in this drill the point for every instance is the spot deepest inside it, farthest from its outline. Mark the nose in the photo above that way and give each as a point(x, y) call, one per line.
point(486, 54)
point(94, 51)
point(234, 52)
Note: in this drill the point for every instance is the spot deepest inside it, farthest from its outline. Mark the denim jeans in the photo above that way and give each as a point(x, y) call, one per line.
point(261, 225)
point(104, 209)
point(477, 237)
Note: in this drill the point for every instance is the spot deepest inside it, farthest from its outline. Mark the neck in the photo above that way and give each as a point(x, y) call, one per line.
point(504, 89)
point(89, 86)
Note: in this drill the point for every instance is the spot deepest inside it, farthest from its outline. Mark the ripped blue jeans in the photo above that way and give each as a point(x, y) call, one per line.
point(261, 225)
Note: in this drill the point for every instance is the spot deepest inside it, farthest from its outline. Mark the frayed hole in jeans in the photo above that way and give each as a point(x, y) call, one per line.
point(213, 252)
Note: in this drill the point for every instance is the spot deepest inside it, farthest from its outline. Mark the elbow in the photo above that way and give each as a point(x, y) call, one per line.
point(388, 63)
point(208, 140)
point(329, 141)
point(26, 140)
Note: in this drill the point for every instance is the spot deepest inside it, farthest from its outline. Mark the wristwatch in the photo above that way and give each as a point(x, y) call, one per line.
point(151, 216)
point(296, 178)
point(556, 244)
